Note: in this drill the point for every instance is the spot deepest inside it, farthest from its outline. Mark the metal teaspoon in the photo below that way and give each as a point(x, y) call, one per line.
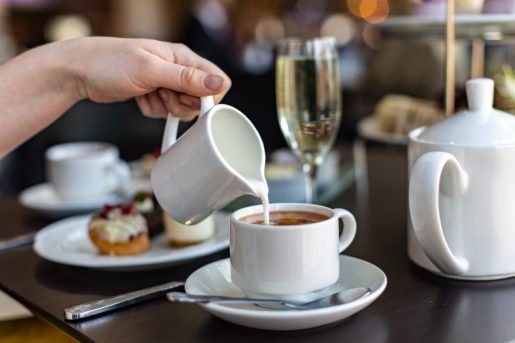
point(337, 298)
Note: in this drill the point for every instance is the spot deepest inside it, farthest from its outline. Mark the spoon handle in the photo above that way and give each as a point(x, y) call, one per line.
point(205, 299)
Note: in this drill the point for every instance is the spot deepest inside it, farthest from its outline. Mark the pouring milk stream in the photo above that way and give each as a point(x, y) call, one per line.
point(218, 159)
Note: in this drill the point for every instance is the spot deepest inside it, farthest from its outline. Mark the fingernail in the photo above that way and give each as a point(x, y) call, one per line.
point(213, 82)
point(164, 95)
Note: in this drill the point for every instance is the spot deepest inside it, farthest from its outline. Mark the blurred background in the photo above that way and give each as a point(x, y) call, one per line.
point(240, 36)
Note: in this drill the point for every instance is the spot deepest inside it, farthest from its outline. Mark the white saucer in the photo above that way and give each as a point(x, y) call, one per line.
point(43, 199)
point(368, 128)
point(66, 242)
point(215, 279)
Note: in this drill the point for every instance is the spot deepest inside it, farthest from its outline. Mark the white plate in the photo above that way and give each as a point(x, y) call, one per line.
point(368, 128)
point(66, 241)
point(215, 279)
point(43, 199)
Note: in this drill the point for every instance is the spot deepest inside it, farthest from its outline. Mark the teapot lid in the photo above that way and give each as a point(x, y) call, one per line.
point(480, 125)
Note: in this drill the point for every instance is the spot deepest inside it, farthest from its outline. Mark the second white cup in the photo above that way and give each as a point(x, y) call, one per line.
point(85, 170)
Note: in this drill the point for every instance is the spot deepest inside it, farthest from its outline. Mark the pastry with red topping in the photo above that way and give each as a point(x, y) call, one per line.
point(145, 203)
point(119, 230)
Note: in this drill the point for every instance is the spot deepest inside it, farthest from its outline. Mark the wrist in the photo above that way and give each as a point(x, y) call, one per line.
point(67, 63)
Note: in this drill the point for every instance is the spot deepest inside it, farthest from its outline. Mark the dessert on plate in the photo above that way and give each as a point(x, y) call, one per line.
point(504, 97)
point(399, 114)
point(119, 230)
point(147, 161)
point(180, 235)
point(146, 204)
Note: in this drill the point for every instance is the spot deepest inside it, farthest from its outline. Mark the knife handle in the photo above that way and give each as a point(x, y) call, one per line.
point(17, 241)
point(118, 301)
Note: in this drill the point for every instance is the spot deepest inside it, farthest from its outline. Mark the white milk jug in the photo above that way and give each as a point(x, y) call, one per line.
point(218, 159)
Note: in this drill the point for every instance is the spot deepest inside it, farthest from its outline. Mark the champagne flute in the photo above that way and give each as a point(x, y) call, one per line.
point(308, 101)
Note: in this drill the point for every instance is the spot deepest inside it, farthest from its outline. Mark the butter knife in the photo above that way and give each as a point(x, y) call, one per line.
point(95, 307)
point(17, 241)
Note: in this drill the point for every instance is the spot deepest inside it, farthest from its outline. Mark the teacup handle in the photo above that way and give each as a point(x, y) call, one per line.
point(120, 175)
point(349, 228)
point(172, 123)
point(434, 172)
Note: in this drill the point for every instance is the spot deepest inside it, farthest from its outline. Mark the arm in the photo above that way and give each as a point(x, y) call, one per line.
point(41, 84)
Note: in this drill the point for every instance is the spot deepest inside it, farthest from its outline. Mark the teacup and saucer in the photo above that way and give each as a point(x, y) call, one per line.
point(297, 261)
point(82, 177)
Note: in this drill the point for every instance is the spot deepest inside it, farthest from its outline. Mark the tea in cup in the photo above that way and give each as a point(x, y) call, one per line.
point(85, 170)
point(295, 256)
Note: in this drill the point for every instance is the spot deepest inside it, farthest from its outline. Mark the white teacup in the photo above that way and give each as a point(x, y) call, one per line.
point(85, 170)
point(293, 262)
point(218, 159)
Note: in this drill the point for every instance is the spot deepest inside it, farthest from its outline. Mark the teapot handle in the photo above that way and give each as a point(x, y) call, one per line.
point(172, 123)
point(434, 172)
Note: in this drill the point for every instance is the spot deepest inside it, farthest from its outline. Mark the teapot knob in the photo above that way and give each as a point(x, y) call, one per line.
point(480, 94)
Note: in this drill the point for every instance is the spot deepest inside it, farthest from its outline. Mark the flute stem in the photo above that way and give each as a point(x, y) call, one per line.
point(310, 170)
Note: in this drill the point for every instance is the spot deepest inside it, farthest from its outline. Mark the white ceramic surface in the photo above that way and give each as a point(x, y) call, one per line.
point(85, 170)
point(67, 242)
point(368, 128)
point(291, 262)
point(43, 199)
point(215, 279)
point(209, 165)
point(462, 191)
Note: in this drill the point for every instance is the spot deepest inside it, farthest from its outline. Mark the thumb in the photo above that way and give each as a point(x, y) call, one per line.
point(194, 81)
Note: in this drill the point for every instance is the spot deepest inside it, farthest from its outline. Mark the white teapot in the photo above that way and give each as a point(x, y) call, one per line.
point(462, 191)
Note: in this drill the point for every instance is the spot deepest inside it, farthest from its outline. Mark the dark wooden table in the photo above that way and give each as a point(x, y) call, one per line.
point(415, 307)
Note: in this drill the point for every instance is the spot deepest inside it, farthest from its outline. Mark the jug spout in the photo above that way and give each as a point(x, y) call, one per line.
point(172, 123)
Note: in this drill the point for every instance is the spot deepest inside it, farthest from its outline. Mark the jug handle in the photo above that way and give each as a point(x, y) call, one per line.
point(426, 182)
point(172, 123)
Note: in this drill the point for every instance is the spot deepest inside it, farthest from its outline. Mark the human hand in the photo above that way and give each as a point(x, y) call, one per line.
point(163, 77)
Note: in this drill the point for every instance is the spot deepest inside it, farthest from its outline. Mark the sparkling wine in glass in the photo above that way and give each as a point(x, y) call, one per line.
point(308, 101)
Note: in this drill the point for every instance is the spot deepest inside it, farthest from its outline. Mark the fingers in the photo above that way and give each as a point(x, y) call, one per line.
point(178, 68)
point(156, 105)
point(179, 77)
point(159, 103)
point(190, 101)
point(192, 81)
point(182, 55)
